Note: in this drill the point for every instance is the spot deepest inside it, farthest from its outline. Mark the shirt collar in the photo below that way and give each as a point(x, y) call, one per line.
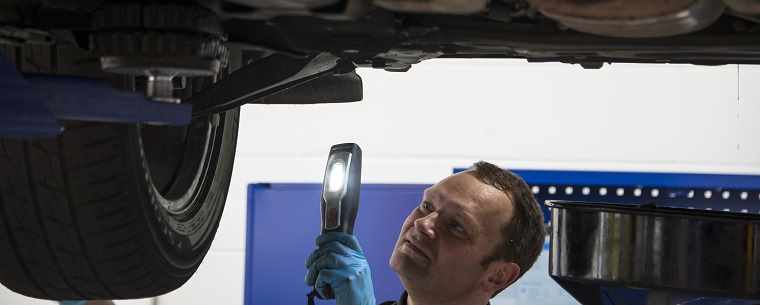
point(402, 300)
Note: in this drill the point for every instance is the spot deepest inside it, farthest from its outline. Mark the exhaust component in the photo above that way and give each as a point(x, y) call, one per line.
point(285, 5)
point(267, 9)
point(745, 7)
point(663, 249)
point(459, 7)
point(633, 18)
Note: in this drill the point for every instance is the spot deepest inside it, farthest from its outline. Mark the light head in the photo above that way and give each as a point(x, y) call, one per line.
point(340, 188)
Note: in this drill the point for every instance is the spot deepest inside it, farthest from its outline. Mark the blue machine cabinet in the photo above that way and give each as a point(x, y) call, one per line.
point(283, 222)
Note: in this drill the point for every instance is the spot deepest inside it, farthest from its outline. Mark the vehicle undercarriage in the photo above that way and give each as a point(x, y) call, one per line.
point(120, 120)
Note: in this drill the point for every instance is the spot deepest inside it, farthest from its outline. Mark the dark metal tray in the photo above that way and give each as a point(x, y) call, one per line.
point(661, 248)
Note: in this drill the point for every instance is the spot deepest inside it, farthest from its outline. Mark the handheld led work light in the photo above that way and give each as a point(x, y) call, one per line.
point(340, 189)
point(340, 195)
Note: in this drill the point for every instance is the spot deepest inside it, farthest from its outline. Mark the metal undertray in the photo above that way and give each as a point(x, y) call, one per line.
point(673, 254)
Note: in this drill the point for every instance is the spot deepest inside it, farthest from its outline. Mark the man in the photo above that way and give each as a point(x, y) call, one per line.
point(473, 235)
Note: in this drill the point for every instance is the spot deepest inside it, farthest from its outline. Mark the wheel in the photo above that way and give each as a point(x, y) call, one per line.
point(112, 211)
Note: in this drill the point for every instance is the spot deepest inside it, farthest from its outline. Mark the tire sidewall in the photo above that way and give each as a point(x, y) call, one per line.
point(183, 240)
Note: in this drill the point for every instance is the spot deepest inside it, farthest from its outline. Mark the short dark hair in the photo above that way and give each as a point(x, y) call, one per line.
point(522, 236)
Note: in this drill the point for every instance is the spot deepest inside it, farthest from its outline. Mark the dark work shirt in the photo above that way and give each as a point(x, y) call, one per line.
point(402, 301)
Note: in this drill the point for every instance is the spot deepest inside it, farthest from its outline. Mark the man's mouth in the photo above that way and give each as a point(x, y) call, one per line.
point(417, 250)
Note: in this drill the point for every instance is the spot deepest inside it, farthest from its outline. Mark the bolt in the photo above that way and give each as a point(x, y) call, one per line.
point(161, 88)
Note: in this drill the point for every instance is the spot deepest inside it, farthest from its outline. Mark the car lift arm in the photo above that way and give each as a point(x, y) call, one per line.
point(282, 79)
point(35, 104)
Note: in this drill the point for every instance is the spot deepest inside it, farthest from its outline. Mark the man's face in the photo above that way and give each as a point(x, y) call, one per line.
point(444, 240)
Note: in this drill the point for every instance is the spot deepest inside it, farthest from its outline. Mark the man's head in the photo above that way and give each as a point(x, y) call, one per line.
point(474, 233)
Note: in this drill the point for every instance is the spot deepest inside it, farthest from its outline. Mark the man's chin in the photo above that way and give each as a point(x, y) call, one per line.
point(406, 266)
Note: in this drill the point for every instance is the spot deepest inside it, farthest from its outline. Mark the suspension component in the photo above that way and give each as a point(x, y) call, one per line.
point(160, 42)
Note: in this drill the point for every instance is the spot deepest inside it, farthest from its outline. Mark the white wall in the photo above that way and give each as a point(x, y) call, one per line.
point(415, 127)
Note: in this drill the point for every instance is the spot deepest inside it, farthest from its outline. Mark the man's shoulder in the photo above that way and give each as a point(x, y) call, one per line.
point(401, 300)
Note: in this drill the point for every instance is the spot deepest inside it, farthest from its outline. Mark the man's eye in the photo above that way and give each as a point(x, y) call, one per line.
point(457, 228)
point(426, 207)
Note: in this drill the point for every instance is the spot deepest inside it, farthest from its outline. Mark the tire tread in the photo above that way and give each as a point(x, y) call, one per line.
point(72, 215)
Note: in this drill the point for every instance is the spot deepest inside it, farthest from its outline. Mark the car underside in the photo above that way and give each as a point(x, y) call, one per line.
point(118, 130)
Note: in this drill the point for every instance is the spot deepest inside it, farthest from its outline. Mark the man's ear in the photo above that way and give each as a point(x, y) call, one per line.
point(500, 275)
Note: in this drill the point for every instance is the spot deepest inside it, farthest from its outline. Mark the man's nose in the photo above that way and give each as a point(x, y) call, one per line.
point(426, 225)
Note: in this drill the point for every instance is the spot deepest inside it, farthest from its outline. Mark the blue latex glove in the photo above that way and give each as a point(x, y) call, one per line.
point(72, 302)
point(339, 263)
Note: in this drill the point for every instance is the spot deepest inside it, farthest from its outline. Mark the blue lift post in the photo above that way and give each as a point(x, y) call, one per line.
point(34, 105)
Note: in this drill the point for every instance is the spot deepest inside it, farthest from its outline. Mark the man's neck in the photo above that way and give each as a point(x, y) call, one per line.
point(423, 299)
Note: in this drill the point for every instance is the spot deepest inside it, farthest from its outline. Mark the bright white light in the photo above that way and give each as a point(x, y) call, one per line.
point(603, 191)
point(569, 190)
point(708, 194)
point(337, 176)
point(620, 192)
point(535, 189)
point(655, 193)
point(744, 195)
point(552, 190)
point(586, 190)
point(637, 192)
point(726, 194)
point(690, 194)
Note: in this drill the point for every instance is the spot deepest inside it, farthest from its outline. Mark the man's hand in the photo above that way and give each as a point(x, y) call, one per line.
point(340, 264)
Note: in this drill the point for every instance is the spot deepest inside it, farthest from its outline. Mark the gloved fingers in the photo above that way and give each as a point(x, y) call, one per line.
point(314, 256)
point(348, 240)
point(332, 247)
point(330, 261)
point(319, 253)
point(311, 276)
point(333, 278)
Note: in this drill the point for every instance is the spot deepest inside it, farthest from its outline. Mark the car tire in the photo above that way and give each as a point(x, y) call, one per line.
point(112, 211)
